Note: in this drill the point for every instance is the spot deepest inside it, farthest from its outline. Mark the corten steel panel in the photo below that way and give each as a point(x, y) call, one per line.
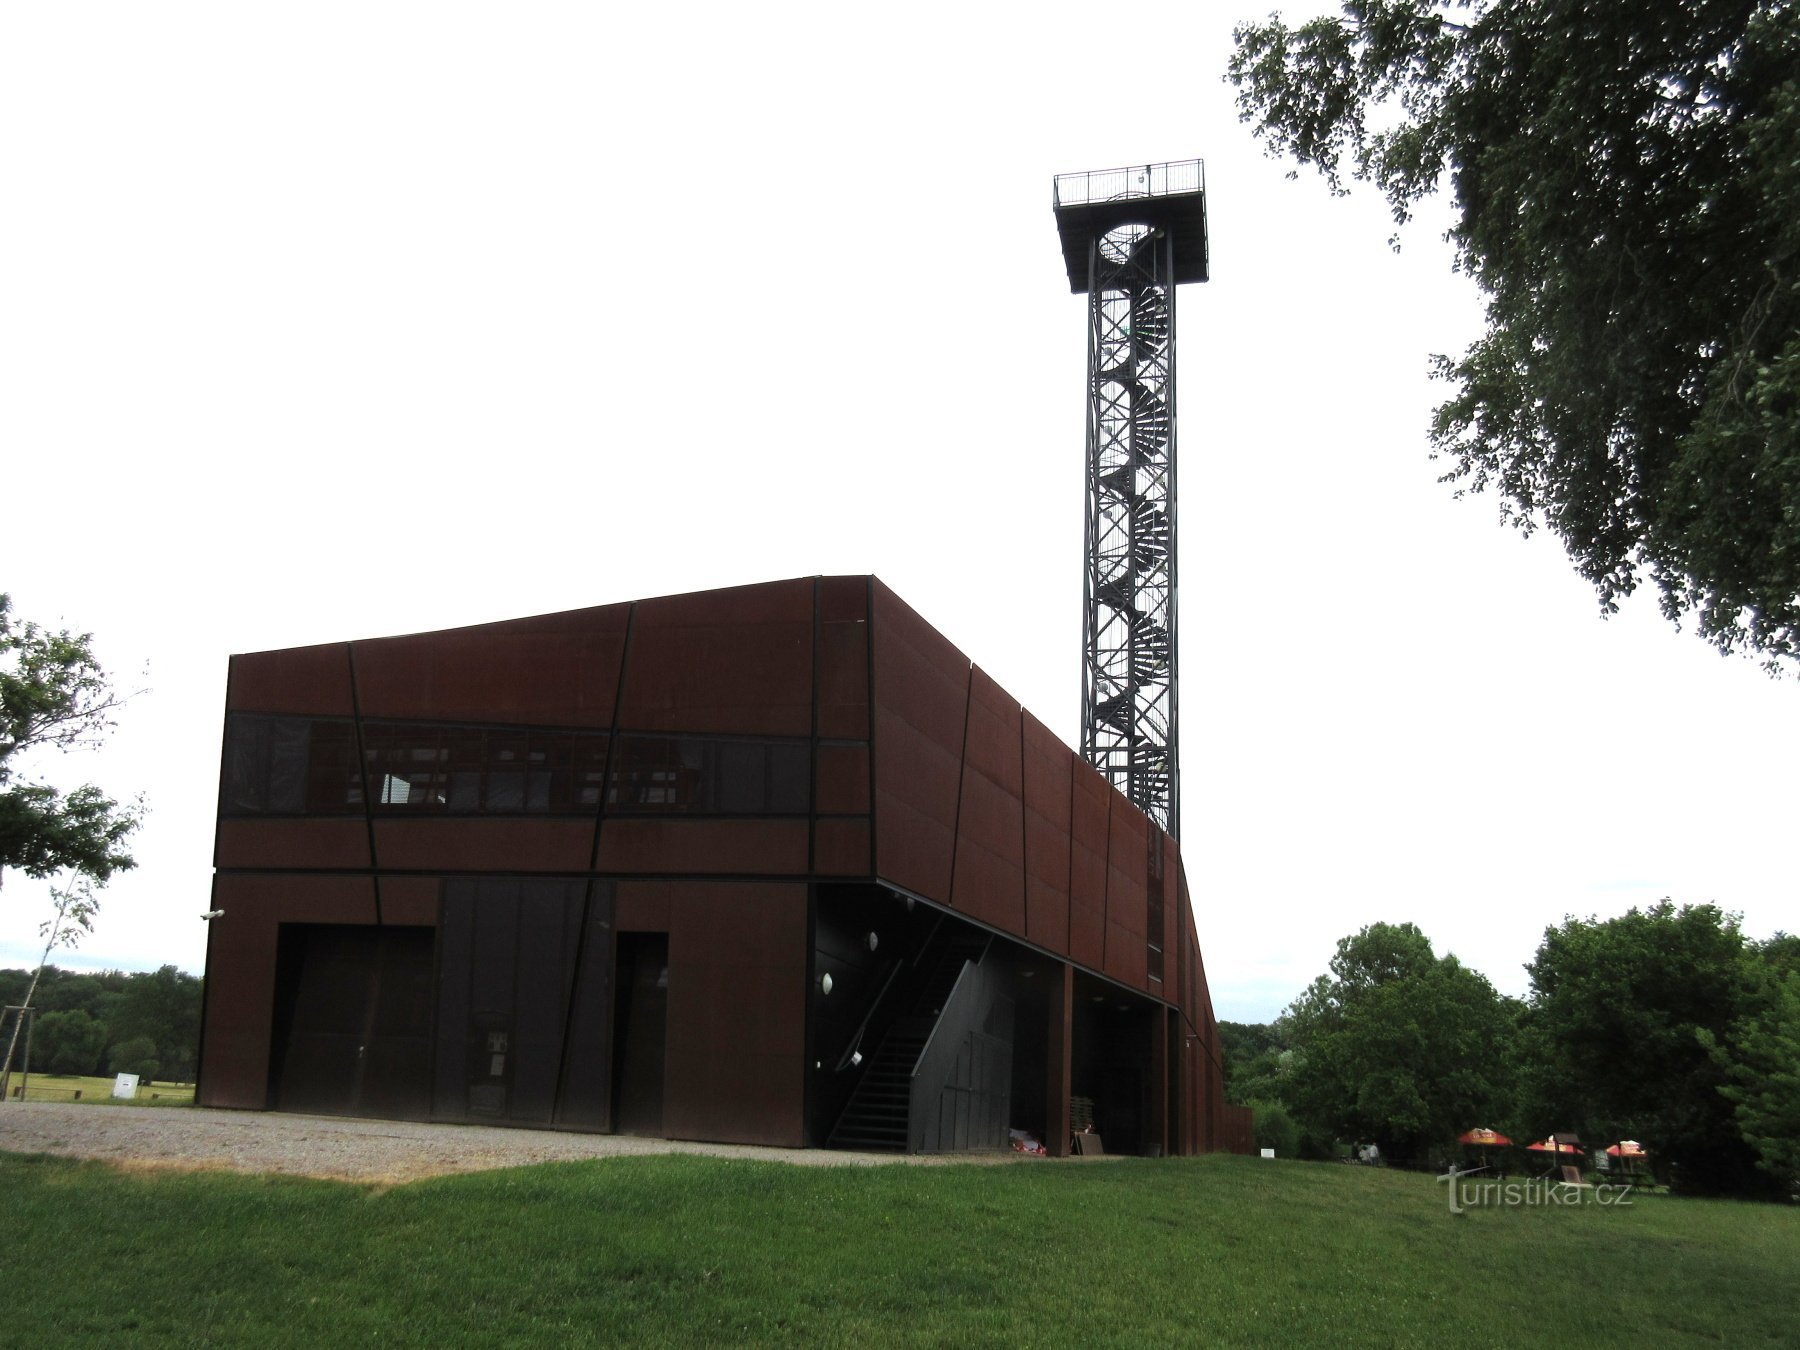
point(919, 674)
point(737, 1014)
point(990, 829)
point(643, 906)
point(311, 681)
point(753, 847)
point(913, 849)
point(1125, 899)
point(844, 680)
point(1171, 933)
point(240, 1005)
point(296, 897)
point(462, 845)
point(990, 855)
point(921, 699)
point(1200, 1007)
point(410, 901)
point(841, 848)
point(1125, 956)
point(336, 843)
point(992, 742)
point(1090, 807)
point(1127, 850)
point(737, 660)
point(552, 670)
point(240, 996)
point(843, 599)
point(1047, 788)
point(843, 784)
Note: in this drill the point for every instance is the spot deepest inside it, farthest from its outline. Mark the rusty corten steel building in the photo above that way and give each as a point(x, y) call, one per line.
point(773, 864)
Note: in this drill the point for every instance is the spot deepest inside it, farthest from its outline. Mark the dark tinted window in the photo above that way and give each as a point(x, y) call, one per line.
point(415, 768)
point(300, 765)
point(705, 775)
point(290, 766)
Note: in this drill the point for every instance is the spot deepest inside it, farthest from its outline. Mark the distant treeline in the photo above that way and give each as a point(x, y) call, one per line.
point(147, 1023)
point(1666, 1026)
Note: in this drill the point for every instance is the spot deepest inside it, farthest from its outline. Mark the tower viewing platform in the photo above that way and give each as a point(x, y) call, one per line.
point(1169, 197)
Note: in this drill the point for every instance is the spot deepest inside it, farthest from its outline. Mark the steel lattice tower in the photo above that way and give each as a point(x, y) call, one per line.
point(1129, 237)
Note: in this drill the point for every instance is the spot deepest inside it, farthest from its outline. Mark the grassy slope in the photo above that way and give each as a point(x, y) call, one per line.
point(694, 1250)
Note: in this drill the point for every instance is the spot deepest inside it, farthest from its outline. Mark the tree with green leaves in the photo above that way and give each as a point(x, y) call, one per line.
point(1761, 1062)
point(75, 910)
point(1397, 1045)
point(55, 695)
point(1627, 195)
point(1621, 1015)
point(137, 1055)
point(67, 1042)
point(162, 1005)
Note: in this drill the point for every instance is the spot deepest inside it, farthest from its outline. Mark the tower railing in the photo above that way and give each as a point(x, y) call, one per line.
point(1137, 180)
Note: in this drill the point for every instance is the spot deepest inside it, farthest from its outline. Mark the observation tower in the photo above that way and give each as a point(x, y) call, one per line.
point(1129, 237)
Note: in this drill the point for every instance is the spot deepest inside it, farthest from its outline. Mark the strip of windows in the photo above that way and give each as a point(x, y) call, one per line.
point(420, 769)
point(309, 766)
point(710, 775)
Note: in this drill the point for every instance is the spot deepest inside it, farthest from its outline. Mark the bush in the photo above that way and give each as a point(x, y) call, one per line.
point(137, 1055)
point(66, 1042)
point(1274, 1128)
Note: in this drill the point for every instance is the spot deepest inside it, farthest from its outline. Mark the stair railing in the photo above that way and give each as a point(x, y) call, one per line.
point(854, 1044)
point(964, 1011)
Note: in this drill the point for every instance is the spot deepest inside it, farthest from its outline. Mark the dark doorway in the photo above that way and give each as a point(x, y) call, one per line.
point(353, 1021)
point(640, 1033)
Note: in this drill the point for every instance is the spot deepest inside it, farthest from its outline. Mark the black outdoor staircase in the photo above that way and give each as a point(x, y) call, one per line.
point(877, 1117)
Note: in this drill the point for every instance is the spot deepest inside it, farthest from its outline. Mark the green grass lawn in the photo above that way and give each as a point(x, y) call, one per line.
point(689, 1251)
point(54, 1087)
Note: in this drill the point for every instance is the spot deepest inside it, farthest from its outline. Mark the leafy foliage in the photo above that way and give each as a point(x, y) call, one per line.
point(1274, 1128)
point(67, 1042)
point(1254, 1060)
point(54, 694)
point(1628, 197)
point(1396, 1044)
point(1621, 1013)
point(161, 1006)
point(1763, 1065)
point(137, 1055)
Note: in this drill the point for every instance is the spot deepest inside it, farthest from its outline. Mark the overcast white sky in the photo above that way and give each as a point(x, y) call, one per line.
point(339, 320)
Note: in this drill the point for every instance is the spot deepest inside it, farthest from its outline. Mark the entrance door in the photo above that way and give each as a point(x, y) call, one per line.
point(640, 1033)
point(353, 1021)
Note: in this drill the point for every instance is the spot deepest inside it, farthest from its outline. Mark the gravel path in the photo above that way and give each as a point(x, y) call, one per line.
point(381, 1151)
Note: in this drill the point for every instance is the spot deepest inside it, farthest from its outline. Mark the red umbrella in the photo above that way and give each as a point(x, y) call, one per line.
point(1484, 1137)
point(1560, 1146)
point(1551, 1145)
point(1629, 1152)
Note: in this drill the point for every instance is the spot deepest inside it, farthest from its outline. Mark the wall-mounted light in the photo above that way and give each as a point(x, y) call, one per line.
point(855, 1058)
point(874, 941)
point(825, 983)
